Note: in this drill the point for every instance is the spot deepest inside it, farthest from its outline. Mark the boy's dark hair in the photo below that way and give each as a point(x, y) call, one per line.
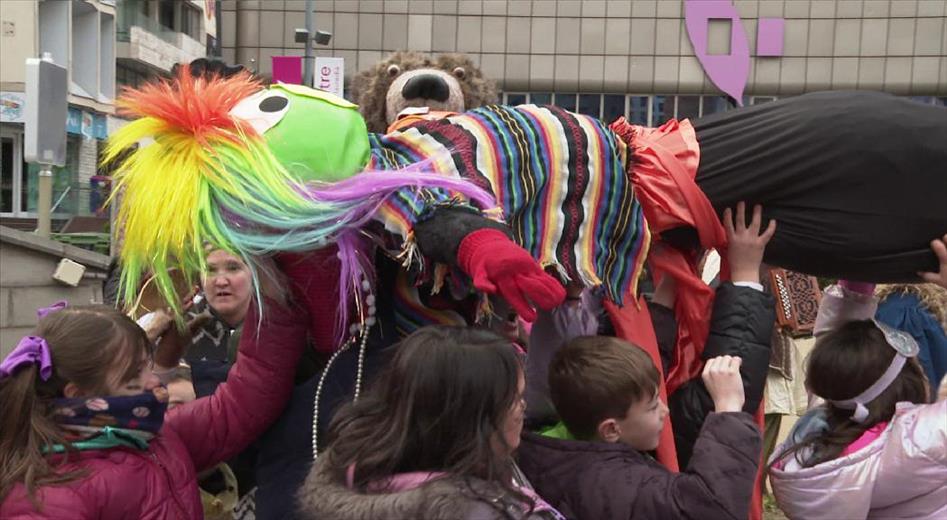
point(593, 378)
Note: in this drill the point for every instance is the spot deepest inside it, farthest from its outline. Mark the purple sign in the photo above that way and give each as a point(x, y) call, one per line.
point(730, 71)
point(288, 69)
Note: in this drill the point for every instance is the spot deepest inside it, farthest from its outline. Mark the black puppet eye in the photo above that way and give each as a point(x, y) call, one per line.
point(273, 104)
point(262, 110)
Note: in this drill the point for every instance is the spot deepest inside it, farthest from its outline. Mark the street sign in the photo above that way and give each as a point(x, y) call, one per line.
point(330, 75)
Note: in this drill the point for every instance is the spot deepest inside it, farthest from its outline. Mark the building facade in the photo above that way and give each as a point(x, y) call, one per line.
point(79, 35)
point(154, 35)
point(618, 57)
point(104, 44)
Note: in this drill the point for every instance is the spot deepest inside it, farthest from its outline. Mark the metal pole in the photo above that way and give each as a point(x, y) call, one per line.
point(45, 200)
point(307, 63)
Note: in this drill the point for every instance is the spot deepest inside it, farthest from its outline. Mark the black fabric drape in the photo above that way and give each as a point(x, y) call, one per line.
point(857, 181)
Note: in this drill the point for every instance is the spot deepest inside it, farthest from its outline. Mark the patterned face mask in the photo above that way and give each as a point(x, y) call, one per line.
point(102, 422)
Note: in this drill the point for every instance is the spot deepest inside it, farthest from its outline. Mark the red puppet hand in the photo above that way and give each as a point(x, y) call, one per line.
point(499, 266)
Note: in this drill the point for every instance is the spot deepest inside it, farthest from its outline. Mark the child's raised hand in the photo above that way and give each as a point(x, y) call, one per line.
point(722, 378)
point(746, 244)
point(940, 277)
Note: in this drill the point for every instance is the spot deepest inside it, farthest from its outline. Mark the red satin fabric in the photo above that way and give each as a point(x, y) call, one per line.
point(663, 171)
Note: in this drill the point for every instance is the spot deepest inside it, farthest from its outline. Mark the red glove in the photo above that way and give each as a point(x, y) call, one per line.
point(314, 281)
point(499, 266)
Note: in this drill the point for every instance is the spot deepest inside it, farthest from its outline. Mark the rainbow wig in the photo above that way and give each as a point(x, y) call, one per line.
point(191, 174)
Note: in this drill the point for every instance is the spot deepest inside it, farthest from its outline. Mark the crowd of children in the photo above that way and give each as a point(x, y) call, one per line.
point(461, 423)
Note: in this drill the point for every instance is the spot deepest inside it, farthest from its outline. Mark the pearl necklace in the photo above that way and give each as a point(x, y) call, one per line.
point(355, 330)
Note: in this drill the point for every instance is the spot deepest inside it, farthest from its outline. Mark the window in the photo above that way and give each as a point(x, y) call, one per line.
point(590, 105)
point(65, 182)
point(566, 101)
point(13, 173)
point(190, 21)
point(613, 107)
point(515, 99)
point(638, 109)
point(647, 110)
point(6, 174)
point(714, 104)
point(662, 109)
point(688, 107)
point(166, 13)
point(927, 100)
point(540, 98)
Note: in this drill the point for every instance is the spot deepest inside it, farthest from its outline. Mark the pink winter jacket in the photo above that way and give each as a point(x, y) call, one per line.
point(901, 474)
point(161, 482)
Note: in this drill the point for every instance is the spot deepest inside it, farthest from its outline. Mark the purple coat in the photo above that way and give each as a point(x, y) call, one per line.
point(599, 480)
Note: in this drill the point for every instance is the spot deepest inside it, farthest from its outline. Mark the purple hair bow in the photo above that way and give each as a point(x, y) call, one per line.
point(32, 349)
point(58, 306)
point(29, 350)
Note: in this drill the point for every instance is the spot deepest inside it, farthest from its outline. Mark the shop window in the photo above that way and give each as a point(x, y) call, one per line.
point(6, 174)
point(65, 182)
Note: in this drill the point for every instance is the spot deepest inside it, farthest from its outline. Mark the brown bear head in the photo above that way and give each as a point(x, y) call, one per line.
point(447, 82)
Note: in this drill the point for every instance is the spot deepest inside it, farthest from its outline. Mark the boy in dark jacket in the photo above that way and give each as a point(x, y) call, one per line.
point(605, 391)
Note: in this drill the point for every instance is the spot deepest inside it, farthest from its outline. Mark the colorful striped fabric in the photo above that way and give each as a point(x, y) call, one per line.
point(559, 178)
point(411, 312)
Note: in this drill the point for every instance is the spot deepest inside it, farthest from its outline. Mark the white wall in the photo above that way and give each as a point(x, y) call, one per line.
point(106, 57)
point(17, 38)
point(54, 36)
point(85, 50)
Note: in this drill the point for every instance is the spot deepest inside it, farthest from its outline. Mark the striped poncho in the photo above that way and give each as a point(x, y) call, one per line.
point(559, 178)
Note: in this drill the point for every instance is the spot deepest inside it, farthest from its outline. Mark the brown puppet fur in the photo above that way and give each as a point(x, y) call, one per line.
point(370, 88)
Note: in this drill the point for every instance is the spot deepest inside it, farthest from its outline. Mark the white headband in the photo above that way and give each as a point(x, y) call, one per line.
point(905, 346)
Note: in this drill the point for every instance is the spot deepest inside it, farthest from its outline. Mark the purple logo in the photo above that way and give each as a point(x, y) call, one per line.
point(730, 71)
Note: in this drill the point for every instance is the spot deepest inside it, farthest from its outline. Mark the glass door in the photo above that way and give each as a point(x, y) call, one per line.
point(12, 174)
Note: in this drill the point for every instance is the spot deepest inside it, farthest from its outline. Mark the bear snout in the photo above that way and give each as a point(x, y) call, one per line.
point(426, 86)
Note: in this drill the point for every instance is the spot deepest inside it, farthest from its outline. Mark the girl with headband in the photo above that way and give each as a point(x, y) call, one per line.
point(876, 448)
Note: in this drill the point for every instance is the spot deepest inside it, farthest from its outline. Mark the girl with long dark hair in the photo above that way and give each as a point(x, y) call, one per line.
point(433, 438)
